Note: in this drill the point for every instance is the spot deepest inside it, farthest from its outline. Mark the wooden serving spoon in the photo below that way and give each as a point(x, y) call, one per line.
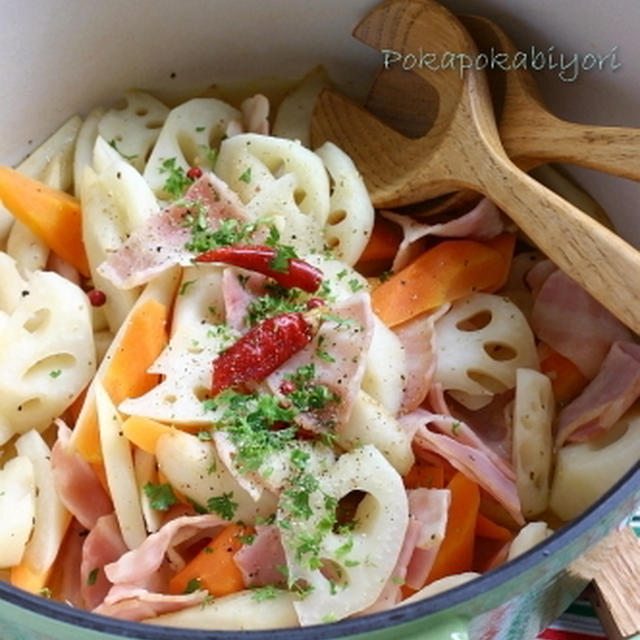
point(531, 135)
point(462, 150)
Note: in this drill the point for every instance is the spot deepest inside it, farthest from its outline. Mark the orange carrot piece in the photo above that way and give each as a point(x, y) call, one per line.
point(214, 567)
point(144, 432)
point(449, 271)
point(486, 528)
point(54, 216)
point(23, 577)
point(384, 241)
point(126, 376)
point(421, 474)
point(566, 379)
point(456, 551)
point(505, 244)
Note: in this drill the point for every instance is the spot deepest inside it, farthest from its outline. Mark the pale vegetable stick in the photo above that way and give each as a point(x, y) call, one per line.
point(145, 469)
point(236, 611)
point(17, 509)
point(118, 465)
point(51, 516)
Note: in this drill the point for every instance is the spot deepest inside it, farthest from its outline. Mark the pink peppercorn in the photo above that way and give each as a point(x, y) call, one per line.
point(96, 297)
point(287, 387)
point(194, 173)
point(315, 303)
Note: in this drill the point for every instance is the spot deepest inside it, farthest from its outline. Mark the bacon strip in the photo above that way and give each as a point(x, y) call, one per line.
point(464, 432)
point(418, 339)
point(482, 222)
point(76, 483)
point(103, 545)
point(259, 561)
point(238, 296)
point(160, 243)
point(346, 340)
point(136, 566)
point(573, 323)
point(605, 399)
point(131, 603)
point(430, 507)
point(471, 461)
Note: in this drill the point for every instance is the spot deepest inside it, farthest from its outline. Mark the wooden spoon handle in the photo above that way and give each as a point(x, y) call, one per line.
point(614, 150)
point(604, 264)
point(614, 567)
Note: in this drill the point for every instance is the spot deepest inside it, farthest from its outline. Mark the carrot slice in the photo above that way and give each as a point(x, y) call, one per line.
point(144, 432)
point(456, 551)
point(449, 271)
point(54, 216)
point(505, 244)
point(143, 338)
point(214, 568)
point(382, 247)
point(486, 528)
point(421, 474)
point(567, 380)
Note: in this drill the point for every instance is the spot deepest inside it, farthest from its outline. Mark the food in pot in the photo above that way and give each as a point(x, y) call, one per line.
point(211, 418)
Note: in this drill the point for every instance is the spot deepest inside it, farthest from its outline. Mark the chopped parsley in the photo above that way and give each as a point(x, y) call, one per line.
point(113, 143)
point(297, 498)
point(268, 592)
point(161, 496)
point(455, 427)
point(45, 592)
point(223, 505)
point(246, 176)
point(93, 576)
point(308, 396)
point(204, 434)
point(324, 355)
point(177, 181)
point(276, 301)
point(193, 585)
point(284, 253)
point(355, 285)
point(185, 286)
point(200, 129)
point(55, 373)
point(248, 419)
point(208, 599)
point(210, 154)
point(280, 261)
point(228, 232)
point(247, 539)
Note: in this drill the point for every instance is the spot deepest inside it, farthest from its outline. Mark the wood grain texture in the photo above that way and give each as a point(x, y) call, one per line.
point(614, 566)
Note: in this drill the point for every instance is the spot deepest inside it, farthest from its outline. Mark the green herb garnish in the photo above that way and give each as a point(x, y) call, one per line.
point(113, 143)
point(177, 181)
point(223, 505)
point(161, 496)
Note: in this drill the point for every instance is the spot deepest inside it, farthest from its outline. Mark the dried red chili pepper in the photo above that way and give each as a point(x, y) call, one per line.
point(261, 351)
point(259, 258)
